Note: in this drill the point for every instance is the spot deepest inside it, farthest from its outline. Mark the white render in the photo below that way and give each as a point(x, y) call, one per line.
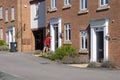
point(38, 21)
point(103, 25)
point(52, 22)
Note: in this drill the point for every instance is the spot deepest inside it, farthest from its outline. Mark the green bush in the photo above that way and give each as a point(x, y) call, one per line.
point(63, 51)
point(4, 48)
point(3, 43)
point(108, 64)
point(74, 60)
point(94, 65)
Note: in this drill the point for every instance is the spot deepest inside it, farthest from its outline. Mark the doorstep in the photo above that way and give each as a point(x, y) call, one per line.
point(78, 65)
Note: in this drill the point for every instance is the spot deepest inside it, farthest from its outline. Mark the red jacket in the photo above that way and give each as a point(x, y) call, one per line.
point(47, 41)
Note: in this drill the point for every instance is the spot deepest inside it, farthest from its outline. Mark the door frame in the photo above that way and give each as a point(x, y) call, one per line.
point(94, 24)
point(54, 21)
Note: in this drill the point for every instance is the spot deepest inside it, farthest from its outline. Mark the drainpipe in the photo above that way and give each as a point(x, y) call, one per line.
point(21, 22)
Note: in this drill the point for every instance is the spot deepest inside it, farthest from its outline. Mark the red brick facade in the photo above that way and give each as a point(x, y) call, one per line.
point(19, 22)
point(80, 21)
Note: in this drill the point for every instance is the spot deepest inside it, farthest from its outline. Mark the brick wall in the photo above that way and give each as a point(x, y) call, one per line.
point(81, 22)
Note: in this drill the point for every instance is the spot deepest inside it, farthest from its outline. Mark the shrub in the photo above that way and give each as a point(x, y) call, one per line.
point(63, 51)
point(94, 65)
point(108, 64)
point(74, 60)
point(3, 43)
point(4, 48)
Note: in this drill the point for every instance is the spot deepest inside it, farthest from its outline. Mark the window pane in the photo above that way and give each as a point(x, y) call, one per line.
point(82, 3)
point(106, 2)
point(6, 15)
point(66, 34)
point(82, 43)
point(102, 2)
point(13, 15)
point(53, 3)
point(69, 34)
point(85, 3)
point(0, 12)
point(86, 43)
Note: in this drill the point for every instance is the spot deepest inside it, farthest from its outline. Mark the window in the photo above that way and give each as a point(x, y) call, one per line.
point(83, 40)
point(67, 32)
point(6, 13)
point(103, 2)
point(1, 15)
point(67, 2)
point(83, 4)
point(37, 10)
point(53, 4)
point(1, 33)
point(12, 13)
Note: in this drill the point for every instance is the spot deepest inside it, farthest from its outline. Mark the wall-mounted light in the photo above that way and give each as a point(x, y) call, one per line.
point(107, 37)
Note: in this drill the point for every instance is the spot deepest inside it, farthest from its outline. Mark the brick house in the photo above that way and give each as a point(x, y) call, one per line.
point(15, 23)
point(91, 26)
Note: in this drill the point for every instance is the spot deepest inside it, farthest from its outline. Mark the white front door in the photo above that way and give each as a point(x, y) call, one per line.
point(11, 35)
point(55, 30)
point(99, 42)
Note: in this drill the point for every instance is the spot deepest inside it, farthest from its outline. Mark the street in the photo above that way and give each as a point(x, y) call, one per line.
point(22, 66)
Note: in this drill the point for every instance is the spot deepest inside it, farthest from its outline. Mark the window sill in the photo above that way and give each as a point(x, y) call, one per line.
point(6, 21)
point(52, 10)
point(67, 6)
point(1, 18)
point(83, 51)
point(67, 42)
point(12, 20)
point(83, 12)
point(103, 8)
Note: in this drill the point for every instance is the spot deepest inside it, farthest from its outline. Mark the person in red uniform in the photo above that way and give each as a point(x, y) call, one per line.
point(47, 44)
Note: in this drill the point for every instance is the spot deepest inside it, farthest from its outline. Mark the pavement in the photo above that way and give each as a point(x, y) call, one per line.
point(22, 66)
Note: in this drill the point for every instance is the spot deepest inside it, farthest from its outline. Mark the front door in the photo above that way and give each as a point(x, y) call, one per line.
point(38, 39)
point(100, 43)
point(56, 36)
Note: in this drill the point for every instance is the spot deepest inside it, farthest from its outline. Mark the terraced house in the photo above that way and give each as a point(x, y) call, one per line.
point(15, 23)
point(91, 26)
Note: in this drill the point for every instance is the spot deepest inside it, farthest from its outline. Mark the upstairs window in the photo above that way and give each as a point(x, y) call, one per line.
point(1, 9)
point(83, 4)
point(67, 2)
point(12, 13)
point(67, 32)
point(83, 40)
point(6, 15)
point(103, 2)
point(53, 4)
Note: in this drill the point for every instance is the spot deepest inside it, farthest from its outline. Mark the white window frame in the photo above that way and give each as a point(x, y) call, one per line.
point(12, 13)
point(1, 33)
point(1, 12)
point(83, 39)
point(104, 3)
point(53, 4)
point(83, 4)
point(6, 15)
point(67, 29)
point(67, 2)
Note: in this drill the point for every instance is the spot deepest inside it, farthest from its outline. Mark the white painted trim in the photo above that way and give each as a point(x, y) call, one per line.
point(52, 22)
point(103, 23)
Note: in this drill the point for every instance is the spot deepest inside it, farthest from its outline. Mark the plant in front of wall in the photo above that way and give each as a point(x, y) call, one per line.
point(63, 51)
point(3, 46)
